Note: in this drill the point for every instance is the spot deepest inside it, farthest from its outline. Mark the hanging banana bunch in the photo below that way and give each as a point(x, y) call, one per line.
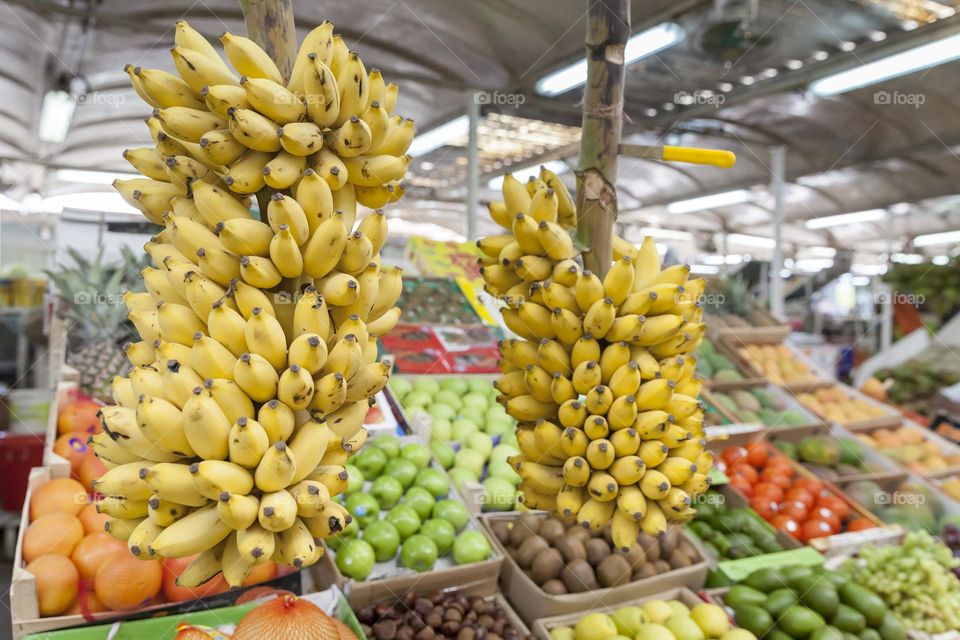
point(601, 377)
point(258, 353)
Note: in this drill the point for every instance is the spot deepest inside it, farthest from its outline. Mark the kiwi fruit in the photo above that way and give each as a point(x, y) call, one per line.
point(578, 576)
point(607, 533)
point(597, 550)
point(554, 587)
point(529, 550)
point(688, 550)
point(579, 533)
point(547, 566)
point(501, 529)
point(571, 549)
point(680, 560)
point(636, 556)
point(668, 541)
point(552, 530)
point(613, 571)
point(523, 527)
point(646, 570)
point(662, 566)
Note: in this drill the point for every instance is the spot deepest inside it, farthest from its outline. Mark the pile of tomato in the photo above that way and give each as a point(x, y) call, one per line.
point(799, 505)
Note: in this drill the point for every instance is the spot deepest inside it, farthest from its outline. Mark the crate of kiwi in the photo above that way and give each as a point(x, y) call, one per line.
point(552, 567)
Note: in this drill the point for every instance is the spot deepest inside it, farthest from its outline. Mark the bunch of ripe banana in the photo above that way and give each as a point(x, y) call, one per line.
point(258, 354)
point(602, 378)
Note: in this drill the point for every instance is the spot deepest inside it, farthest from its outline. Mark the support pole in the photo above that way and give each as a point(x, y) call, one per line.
point(778, 169)
point(270, 24)
point(473, 164)
point(608, 27)
point(886, 307)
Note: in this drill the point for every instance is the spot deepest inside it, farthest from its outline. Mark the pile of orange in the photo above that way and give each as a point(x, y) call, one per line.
point(797, 504)
point(76, 422)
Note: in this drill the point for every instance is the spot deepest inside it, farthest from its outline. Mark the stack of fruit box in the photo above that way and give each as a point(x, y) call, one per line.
point(779, 396)
point(948, 450)
point(724, 331)
point(389, 579)
point(532, 603)
point(816, 378)
point(746, 380)
point(905, 500)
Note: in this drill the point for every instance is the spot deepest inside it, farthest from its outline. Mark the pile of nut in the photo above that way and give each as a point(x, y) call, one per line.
point(436, 615)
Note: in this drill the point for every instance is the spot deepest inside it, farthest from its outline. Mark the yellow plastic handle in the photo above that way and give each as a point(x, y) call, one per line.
point(715, 157)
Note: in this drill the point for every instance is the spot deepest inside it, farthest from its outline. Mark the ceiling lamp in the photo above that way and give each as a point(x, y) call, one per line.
point(869, 215)
point(713, 201)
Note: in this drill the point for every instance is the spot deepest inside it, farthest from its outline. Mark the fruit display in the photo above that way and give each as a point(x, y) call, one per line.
point(715, 366)
point(950, 486)
point(912, 447)
point(914, 383)
point(915, 580)
point(656, 619)
point(600, 379)
point(793, 502)
point(471, 435)
point(76, 422)
point(258, 337)
point(404, 516)
point(80, 568)
point(933, 285)
point(828, 456)
point(778, 364)
point(731, 533)
point(444, 615)
point(912, 505)
point(286, 616)
point(435, 301)
point(810, 602)
point(834, 404)
point(759, 404)
point(561, 557)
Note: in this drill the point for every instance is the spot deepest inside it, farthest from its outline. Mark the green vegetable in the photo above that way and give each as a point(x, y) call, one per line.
point(741, 594)
point(800, 622)
point(754, 619)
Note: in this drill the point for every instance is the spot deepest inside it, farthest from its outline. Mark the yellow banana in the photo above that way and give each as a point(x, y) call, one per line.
point(613, 357)
point(570, 500)
point(162, 423)
point(255, 543)
point(585, 349)
point(141, 537)
point(622, 413)
point(572, 414)
point(322, 94)
point(259, 272)
point(188, 124)
point(654, 394)
point(319, 42)
point(248, 58)
point(277, 419)
point(354, 88)
point(147, 161)
point(253, 130)
point(286, 210)
point(245, 237)
point(273, 100)
point(301, 138)
point(588, 290)
point(174, 483)
point(194, 533)
point(594, 514)
point(284, 170)
point(256, 376)
point(278, 510)
point(164, 512)
point(677, 470)
point(220, 98)
point(373, 171)
point(248, 441)
point(624, 530)
point(632, 502)
point(626, 442)
point(600, 454)
point(599, 318)
point(276, 469)
point(653, 523)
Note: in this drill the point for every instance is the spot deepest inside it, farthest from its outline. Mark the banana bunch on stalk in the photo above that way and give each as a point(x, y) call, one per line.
point(602, 377)
point(258, 354)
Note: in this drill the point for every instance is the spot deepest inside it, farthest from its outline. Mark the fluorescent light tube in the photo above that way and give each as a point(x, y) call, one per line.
point(751, 241)
point(557, 166)
point(666, 234)
point(98, 201)
point(55, 116)
point(907, 258)
point(92, 177)
point(869, 215)
point(704, 269)
point(724, 199)
point(439, 136)
point(644, 44)
point(922, 57)
point(813, 265)
point(947, 237)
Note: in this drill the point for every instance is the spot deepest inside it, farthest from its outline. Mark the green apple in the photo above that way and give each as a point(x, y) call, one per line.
point(503, 451)
point(443, 452)
point(470, 546)
point(417, 398)
point(405, 519)
point(355, 478)
point(654, 631)
point(462, 428)
point(499, 427)
point(657, 611)
point(679, 609)
point(389, 444)
point(355, 559)
point(503, 469)
point(441, 429)
point(441, 531)
point(453, 512)
point(562, 633)
point(459, 475)
point(480, 442)
point(387, 490)
point(496, 410)
point(384, 538)
point(449, 398)
point(434, 481)
point(458, 385)
point(683, 626)
point(426, 384)
point(442, 411)
point(594, 625)
point(350, 531)
point(401, 469)
point(498, 494)
point(370, 461)
point(711, 618)
point(417, 454)
point(420, 500)
point(628, 620)
point(478, 385)
point(475, 402)
point(363, 507)
point(470, 459)
point(400, 387)
point(419, 553)
point(510, 439)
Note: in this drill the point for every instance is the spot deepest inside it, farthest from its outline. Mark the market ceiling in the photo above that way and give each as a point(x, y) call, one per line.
point(736, 75)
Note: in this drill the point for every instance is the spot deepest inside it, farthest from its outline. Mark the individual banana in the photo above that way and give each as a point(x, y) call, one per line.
point(194, 533)
point(276, 469)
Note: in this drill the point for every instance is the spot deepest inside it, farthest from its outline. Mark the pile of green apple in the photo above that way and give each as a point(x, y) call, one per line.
point(402, 513)
point(655, 620)
point(471, 434)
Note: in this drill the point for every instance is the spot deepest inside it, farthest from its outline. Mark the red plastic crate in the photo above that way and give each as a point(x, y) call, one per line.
point(18, 454)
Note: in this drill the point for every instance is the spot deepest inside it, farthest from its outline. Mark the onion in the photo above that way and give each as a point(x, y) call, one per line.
point(287, 617)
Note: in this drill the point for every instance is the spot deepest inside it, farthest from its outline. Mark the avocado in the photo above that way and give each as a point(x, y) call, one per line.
point(834, 578)
point(779, 601)
point(769, 544)
point(764, 397)
point(870, 634)
point(788, 448)
point(748, 417)
point(890, 628)
point(822, 450)
point(827, 633)
point(794, 573)
point(726, 374)
point(800, 622)
point(850, 636)
point(701, 529)
point(850, 452)
point(741, 594)
point(745, 400)
point(792, 418)
point(865, 601)
point(754, 619)
point(776, 634)
point(764, 580)
point(848, 619)
point(818, 594)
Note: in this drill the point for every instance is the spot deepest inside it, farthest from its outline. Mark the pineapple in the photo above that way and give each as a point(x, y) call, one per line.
point(91, 303)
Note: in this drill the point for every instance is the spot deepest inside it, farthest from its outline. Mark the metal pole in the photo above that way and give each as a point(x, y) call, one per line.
point(724, 249)
point(778, 169)
point(473, 164)
point(886, 308)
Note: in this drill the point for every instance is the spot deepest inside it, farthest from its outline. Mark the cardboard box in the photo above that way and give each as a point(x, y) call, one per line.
point(817, 378)
point(543, 625)
point(533, 603)
point(784, 401)
point(749, 379)
point(890, 418)
point(62, 392)
point(946, 446)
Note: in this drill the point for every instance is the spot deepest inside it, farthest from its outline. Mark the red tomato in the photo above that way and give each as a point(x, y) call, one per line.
point(812, 529)
point(814, 486)
point(801, 495)
point(764, 507)
point(757, 453)
point(768, 490)
point(745, 470)
point(777, 477)
point(742, 485)
point(732, 455)
point(795, 509)
point(825, 514)
point(859, 524)
point(786, 524)
point(835, 504)
point(779, 462)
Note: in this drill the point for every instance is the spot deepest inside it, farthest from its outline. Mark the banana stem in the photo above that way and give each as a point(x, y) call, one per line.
point(270, 24)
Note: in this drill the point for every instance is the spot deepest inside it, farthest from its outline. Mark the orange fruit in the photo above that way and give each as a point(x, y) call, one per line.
point(123, 583)
point(54, 533)
point(59, 494)
point(93, 550)
point(57, 583)
point(92, 521)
